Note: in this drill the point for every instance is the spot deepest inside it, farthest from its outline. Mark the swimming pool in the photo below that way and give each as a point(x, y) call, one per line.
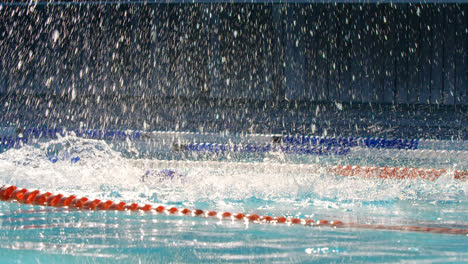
point(233, 131)
point(251, 174)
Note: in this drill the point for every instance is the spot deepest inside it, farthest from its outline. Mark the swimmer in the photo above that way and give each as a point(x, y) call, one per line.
point(165, 174)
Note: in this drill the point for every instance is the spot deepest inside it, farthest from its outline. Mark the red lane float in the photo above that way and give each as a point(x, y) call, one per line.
point(395, 173)
point(14, 194)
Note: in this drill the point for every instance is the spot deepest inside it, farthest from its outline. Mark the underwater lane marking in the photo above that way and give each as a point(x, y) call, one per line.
point(14, 194)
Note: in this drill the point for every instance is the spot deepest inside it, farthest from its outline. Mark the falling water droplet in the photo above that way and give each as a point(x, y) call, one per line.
point(55, 35)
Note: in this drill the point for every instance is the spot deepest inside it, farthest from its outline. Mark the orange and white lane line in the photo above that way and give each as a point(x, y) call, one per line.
point(340, 170)
point(14, 194)
point(396, 173)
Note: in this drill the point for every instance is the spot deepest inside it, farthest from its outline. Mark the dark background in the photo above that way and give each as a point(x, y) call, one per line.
point(331, 68)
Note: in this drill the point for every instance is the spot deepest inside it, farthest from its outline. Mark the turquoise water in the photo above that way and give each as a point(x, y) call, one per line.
point(276, 185)
point(33, 234)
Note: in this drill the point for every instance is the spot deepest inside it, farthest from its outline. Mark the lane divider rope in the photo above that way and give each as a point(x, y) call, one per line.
point(288, 149)
point(12, 193)
point(301, 168)
point(340, 170)
point(458, 155)
point(317, 150)
point(310, 140)
point(396, 173)
point(378, 143)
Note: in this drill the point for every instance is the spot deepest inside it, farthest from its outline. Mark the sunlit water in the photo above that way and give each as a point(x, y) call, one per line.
point(266, 184)
point(335, 69)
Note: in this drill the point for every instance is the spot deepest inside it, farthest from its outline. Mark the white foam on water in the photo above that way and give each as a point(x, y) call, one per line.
point(102, 172)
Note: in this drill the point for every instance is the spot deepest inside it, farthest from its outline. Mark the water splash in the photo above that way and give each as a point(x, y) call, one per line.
point(95, 168)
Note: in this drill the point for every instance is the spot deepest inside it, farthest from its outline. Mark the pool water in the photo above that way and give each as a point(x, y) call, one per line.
point(272, 183)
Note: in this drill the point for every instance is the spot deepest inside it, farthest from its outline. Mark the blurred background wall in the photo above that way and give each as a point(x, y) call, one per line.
point(154, 62)
point(380, 53)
